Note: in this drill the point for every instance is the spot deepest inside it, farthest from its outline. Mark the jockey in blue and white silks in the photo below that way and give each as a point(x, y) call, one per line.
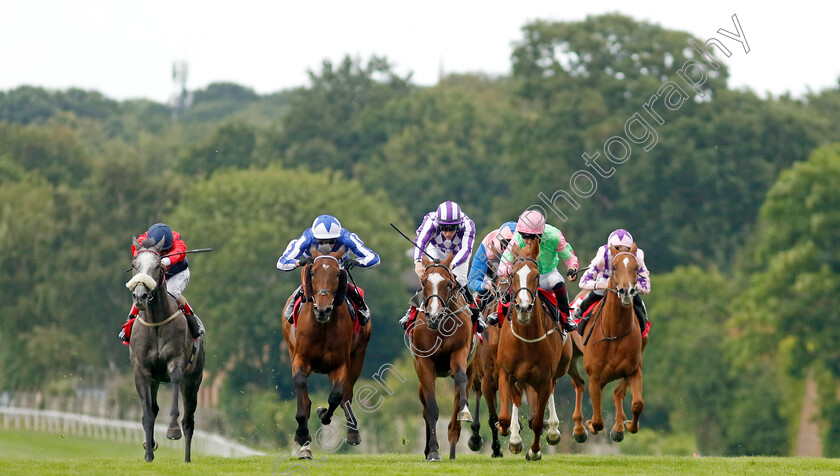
point(329, 231)
point(485, 263)
point(327, 236)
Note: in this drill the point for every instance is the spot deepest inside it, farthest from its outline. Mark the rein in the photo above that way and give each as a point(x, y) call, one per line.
point(446, 303)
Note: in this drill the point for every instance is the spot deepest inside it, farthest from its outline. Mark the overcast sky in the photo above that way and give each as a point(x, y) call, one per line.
point(126, 49)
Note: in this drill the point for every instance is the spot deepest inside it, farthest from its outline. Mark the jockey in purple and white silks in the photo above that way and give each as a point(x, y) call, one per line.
point(327, 235)
point(596, 277)
point(446, 230)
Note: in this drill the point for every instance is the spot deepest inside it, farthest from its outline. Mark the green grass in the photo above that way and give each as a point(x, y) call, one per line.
point(33, 453)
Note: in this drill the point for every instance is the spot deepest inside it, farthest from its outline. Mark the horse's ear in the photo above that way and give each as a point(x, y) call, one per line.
point(634, 248)
point(313, 251)
point(159, 245)
point(448, 260)
point(426, 261)
point(614, 250)
point(136, 243)
point(339, 252)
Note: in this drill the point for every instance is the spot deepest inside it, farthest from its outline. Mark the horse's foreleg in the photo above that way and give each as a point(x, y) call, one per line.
point(144, 391)
point(504, 403)
point(515, 441)
point(596, 388)
point(454, 427)
point(580, 386)
point(431, 412)
point(300, 374)
point(544, 395)
point(488, 389)
point(190, 391)
point(617, 432)
point(338, 378)
point(552, 437)
point(176, 377)
point(475, 440)
point(638, 403)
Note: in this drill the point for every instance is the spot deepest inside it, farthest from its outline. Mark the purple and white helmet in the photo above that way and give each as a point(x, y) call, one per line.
point(620, 237)
point(449, 213)
point(326, 227)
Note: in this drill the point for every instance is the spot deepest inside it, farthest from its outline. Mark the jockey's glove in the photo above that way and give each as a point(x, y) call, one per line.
point(165, 262)
point(572, 274)
point(305, 261)
point(350, 263)
point(602, 284)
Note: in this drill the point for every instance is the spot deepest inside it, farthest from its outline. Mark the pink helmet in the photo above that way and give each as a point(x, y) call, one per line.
point(449, 213)
point(531, 222)
point(505, 233)
point(620, 237)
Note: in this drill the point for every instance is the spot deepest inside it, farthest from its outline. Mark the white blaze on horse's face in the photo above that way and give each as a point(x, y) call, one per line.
point(435, 280)
point(523, 295)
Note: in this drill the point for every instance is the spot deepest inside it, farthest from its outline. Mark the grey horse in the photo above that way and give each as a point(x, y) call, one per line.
point(162, 349)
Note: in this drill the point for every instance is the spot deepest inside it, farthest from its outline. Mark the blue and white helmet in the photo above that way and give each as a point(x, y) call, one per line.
point(449, 213)
point(326, 227)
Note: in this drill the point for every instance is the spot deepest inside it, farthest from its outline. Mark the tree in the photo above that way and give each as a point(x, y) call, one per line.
point(789, 312)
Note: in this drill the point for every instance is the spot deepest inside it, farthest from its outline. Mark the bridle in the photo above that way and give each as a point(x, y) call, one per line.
point(324, 292)
point(533, 294)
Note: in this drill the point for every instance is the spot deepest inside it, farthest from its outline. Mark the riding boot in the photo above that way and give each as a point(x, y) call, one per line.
point(587, 302)
point(193, 322)
point(131, 315)
point(356, 297)
point(477, 321)
point(413, 304)
point(641, 311)
point(291, 307)
point(563, 306)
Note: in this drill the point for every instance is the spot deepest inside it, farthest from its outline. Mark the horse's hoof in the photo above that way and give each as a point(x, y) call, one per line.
point(321, 411)
point(353, 438)
point(503, 431)
point(592, 428)
point(173, 433)
point(628, 424)
point(531, 456)
point(475, 442)
point(433, 457)
point(465, 416)
point(515, 448)
point(155, 443)
point(581, 438)
point(304, 453)
point(617, 436)
point(552, 439)
point(497, 454)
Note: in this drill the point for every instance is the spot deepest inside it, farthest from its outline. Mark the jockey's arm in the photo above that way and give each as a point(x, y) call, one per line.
point(478, 270)
point(463, 254)
point(366, 257)
point(297, 248)
point(595, 271)
point(643, 281)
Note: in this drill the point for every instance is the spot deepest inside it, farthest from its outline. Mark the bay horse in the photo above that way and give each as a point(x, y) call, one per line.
point(486, 375)
point(161, 348)
point(533, 352)
point(440, 340)
point(324, 342)
point(611, 344)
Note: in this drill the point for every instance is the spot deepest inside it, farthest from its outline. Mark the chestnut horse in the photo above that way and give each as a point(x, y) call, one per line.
point(162, 349)
point(532, 351)
point(611, 344)
point(440, 340)
point(324, 342)
point(486, 376)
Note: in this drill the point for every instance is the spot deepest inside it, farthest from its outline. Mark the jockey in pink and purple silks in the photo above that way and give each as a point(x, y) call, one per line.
point(596, 277)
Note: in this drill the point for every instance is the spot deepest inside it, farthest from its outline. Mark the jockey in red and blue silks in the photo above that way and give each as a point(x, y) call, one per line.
point(553, 247)
point(327, 235)
point(446, 230)
point(177, 275)
point(485, 263)
point(596, 277)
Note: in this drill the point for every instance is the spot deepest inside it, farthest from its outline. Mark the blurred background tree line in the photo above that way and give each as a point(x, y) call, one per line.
point(737, 208)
